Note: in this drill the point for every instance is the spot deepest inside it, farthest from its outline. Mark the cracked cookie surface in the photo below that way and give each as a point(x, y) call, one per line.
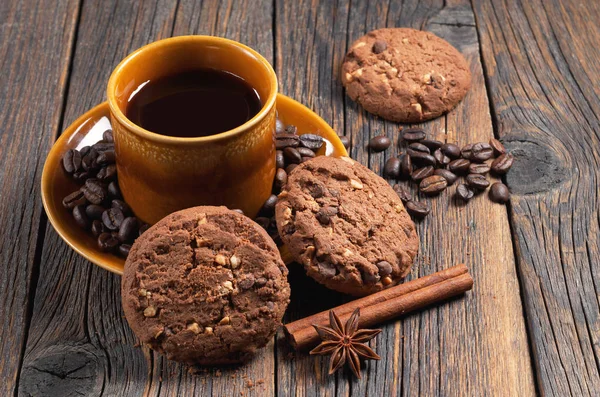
point(346, 225)
point(206, 286)
point(405, 75)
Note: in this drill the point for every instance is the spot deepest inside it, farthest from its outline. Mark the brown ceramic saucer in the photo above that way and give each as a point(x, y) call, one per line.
point(88, 129)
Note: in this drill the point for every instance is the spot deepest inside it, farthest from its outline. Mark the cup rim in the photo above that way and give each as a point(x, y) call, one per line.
point(144, 133)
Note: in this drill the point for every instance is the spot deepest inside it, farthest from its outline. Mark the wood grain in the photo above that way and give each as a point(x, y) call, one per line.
point(35, 52)
point(542, 65)
point(453, 349)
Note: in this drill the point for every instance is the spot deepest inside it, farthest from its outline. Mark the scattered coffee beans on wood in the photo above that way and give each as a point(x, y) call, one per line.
point(435, 165)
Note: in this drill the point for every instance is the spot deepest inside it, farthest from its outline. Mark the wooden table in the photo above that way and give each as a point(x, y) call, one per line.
point(531, 325)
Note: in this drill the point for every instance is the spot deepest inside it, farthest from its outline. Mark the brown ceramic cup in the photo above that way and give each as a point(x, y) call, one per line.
point(161, 174)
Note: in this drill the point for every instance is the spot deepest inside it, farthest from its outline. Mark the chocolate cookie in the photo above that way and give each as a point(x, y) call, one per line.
point(405, 75)
point(205, 285)
point(346, 225)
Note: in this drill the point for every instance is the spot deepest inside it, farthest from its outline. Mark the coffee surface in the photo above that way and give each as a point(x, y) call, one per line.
point(196, 103)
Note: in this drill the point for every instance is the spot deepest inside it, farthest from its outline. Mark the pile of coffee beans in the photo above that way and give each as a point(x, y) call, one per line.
point(435, 165)
point(292, 149)
point(97, 206)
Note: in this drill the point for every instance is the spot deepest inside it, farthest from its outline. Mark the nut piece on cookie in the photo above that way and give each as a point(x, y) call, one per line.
point(389, 72)
point(195, 286)
point(345, 242)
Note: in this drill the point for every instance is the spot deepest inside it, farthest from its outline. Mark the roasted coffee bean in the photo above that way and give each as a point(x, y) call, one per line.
point(448, 175)
point(421, 158)
point(479, 168)
point(239, 211)
point(441, 158)
point(106, 157)
point(422, 173)
point(286, 140)
point(124, 250)
point(499, 193)
point(391, 169)
point(481, 152)
point(403, 193)
point(464, 192)
point(497, 146)
point(107, 173)
point(315, 190)
point(107, 243)
point(107, 136)
point(413, 134)
point(143, 228)
point(269, 205)
point(102, 146)
point(451, 150)
point(112, 218)
point(503, 163)
point(418, 147)
point(98, 228)
point(378, 47)
point(71, 161)
point(279, 159)
point(305, 152)
point(459, 166)
point(433, 184)
point(417, 209)
point(345, 141)
point(385, 268)
point(113, 190)
point(379, 143)
point(279, 126)
point(95, 192)
point(80, 217)
point(467, 151)
point(292, 156)
point(94, 211)
point(406, 167)
point(84, 151)
point(311, 141)
point(81, 177)
point(325, 214)
point(280, 179)
point(128, 230)
point(433, 145)
point(121, 205)
point(88, 162)
point(291, 129)
point(263, 221)
point(477, 182)
point(74, 199)
point(290, 168)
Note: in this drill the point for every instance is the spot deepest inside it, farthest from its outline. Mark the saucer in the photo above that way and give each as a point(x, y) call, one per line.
point(88, 129)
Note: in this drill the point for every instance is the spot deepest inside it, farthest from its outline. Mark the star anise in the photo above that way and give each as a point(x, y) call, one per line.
point(345, 343)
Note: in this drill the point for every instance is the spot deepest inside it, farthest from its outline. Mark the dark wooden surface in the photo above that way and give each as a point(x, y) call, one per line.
point(530, 326)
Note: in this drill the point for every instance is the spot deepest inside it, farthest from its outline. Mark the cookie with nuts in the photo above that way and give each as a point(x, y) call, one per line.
point(206, 286)
point(346, 225)
point(405, 75)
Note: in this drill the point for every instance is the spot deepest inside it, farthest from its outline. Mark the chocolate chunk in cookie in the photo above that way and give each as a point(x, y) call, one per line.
point(405, 75)
point(205, 285)
point(346, 225)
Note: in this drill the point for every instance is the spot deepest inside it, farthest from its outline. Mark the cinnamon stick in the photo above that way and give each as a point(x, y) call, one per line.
point(386, 305)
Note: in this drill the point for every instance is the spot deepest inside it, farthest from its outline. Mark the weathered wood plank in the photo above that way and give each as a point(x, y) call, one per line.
point(35, 51)
point(542, 63)
point(79, 342)
point(455, 349)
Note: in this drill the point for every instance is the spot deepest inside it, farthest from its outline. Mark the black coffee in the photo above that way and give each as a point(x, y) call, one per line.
point(197, 103)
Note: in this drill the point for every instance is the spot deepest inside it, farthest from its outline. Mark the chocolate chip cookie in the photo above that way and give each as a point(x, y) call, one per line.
point(206, 286)
point(405, 75)
point(346, 225)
